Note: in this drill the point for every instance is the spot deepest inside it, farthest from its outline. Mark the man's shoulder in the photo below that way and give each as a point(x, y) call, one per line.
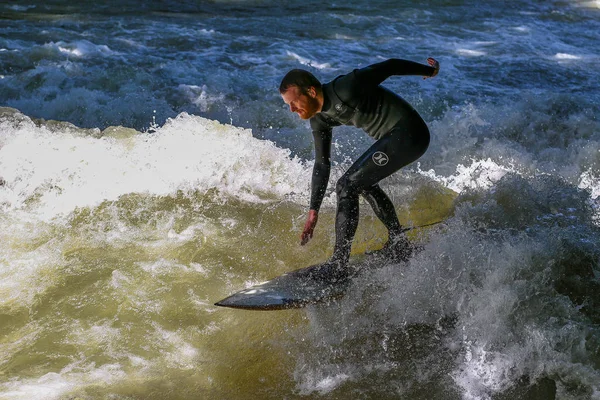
point(343, 79)
point(347, 86)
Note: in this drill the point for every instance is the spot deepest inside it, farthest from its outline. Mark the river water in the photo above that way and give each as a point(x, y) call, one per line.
point(149, 168)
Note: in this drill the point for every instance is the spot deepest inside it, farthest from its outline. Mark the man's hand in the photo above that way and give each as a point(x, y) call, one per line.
point(436, 65)
point(309, 227)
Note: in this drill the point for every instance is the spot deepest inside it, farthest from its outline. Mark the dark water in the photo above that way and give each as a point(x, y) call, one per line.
point(152, 168)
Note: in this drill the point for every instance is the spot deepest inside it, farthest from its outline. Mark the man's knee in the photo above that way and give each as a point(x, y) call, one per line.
point(346, 187)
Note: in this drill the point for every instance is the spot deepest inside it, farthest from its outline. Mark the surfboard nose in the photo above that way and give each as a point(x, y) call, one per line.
point(295, 289)
point(255, 299)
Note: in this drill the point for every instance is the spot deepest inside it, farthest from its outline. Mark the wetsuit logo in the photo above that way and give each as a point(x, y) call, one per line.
point(380, 158)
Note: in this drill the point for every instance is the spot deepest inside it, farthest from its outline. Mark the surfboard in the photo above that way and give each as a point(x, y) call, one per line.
point(296, 289)
point(315, 284)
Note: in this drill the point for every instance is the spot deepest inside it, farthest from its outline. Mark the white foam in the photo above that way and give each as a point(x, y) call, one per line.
point(179, 353)
point(161, 267)
point(591, 4)
point(483, 372)
point(522, 29)
point(200, 96)
point(307, 61)
point(23, 271)
point(20, 7)
point(64, 172)
point(54, 385)
point(565, 56)
point(322, 384)
point(80, 48)
point(470, 52)
point(590, 180)
point(480, 174)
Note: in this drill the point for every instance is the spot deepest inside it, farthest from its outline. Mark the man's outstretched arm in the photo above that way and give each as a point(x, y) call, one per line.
point(376, 73)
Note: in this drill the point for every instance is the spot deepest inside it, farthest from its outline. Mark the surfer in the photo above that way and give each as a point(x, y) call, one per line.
point(401, 135)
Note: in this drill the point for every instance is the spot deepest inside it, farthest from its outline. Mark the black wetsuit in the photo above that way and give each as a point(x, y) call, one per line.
point(402, 137)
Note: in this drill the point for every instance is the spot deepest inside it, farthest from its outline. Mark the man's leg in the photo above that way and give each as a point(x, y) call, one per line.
point(383, 208)
point(397, 149)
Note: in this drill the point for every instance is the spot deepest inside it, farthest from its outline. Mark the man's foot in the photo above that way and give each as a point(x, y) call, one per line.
point(397, 248)
point(332, 271)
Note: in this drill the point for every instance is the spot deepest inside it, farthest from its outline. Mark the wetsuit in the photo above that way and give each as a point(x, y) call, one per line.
point(402, 137)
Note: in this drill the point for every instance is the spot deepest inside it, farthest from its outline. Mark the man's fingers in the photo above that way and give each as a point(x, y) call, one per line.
point(433, 63)
point(306, 236)
point(309, 227)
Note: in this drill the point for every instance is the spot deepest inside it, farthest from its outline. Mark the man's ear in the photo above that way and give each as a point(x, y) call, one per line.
point(312, 92)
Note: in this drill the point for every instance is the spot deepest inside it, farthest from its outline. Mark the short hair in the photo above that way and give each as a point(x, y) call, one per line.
point(300, 78)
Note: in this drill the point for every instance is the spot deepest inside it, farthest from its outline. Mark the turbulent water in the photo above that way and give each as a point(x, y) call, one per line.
point(148, 168)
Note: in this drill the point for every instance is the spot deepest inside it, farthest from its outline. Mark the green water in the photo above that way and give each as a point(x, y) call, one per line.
point(116, 301)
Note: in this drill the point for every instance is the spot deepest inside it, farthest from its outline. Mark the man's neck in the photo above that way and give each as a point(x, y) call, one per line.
point(322, 101)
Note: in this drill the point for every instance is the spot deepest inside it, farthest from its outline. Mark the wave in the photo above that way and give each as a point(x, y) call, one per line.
point(105, 226)
point(52, 168)
point(501, 298)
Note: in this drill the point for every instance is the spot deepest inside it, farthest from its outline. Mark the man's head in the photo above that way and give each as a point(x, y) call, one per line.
point(302, 92)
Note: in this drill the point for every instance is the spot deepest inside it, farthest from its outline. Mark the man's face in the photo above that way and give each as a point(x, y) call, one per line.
point(305, 105)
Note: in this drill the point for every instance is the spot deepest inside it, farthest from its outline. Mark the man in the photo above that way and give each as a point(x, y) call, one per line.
point(401, 138)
